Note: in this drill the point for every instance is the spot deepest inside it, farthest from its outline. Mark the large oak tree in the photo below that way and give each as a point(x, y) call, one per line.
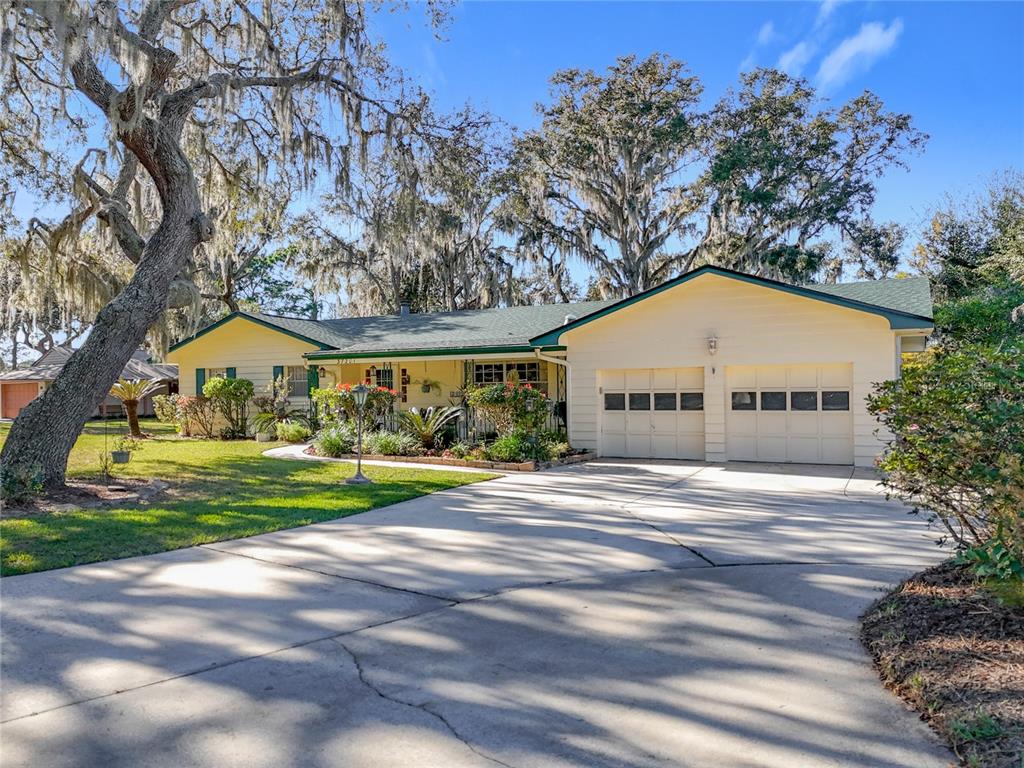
point(296, 86)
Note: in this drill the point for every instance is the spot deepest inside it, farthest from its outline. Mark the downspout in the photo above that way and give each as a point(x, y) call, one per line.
point(568, 384)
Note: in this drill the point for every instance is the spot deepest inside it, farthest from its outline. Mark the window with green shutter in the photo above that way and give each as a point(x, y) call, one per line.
point(200, 380)
point(230, 372)
point(278, 375)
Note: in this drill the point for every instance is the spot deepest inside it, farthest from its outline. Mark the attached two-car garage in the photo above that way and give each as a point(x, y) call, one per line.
point(720, 366)
point(775, 413)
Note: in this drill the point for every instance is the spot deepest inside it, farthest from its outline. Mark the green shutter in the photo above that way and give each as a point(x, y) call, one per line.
point(313, 377)
point(231, 373)
point(278, 374)
point(200, 380)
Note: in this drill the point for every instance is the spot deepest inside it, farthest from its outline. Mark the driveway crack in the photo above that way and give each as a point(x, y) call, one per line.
point(423, 707)
point(692, 550)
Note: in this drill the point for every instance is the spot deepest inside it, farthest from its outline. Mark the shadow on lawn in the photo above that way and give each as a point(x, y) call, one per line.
point(227, 498)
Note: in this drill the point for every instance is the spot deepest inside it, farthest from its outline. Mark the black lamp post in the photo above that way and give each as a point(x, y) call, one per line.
point(359, 392)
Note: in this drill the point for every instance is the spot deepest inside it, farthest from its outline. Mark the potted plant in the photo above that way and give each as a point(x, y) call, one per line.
point(123, 448)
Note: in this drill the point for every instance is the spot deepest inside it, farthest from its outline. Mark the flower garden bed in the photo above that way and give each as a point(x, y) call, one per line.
point(500, 466)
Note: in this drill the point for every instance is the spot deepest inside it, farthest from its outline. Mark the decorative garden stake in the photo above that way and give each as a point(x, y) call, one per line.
point(359, 392)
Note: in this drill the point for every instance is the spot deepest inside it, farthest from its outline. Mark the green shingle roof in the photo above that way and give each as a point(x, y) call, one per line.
point(904, 294)
point(906, 302)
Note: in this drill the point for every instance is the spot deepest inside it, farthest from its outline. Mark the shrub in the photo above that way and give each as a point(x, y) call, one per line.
point(165, 409)
point(195, 414)
point(390, 443)
point(517, 447)
point(459, 449)
point(292, 431)
point(19, 485)
point(512, 407)
point(427, 426)
point(327, 404)
point(957, 419)
point(335, 440)
point(230, 398)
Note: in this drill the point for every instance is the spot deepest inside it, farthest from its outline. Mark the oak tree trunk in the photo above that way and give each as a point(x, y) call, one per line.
point(46, 429)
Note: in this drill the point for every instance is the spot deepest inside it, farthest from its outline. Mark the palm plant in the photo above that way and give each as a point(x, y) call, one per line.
point(130, 392)
point(427, 425)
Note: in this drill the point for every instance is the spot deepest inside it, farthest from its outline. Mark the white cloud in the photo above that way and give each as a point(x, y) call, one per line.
point(795, 59)
point(857, 53)
point(766, 34)
point(825, 10)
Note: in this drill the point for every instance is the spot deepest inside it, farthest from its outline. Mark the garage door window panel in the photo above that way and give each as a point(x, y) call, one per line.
point(744, 401)
point(664, 401)
point(691, 401)
point(615, 401)
point(803, 401)
point(639, 401)
point(773, 401)
point(835, 400)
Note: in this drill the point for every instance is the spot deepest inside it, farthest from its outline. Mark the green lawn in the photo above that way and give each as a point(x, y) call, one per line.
point(222, 490)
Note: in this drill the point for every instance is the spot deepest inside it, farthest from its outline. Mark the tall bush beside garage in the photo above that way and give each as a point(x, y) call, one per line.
point(957, 417)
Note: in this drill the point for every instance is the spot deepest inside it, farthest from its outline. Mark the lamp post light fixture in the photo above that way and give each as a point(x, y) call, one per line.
point(359, 392)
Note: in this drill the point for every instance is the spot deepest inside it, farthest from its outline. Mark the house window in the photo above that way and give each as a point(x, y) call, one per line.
point(298, 382)
point(835, 400)
point(744, 401)
point(615, 401)
point(384, 377)
point(664, 401)
point(773, 401)
point(488, 373)
point(803, 401)
point(214, 373)
point(691, 401)
point(527, 373)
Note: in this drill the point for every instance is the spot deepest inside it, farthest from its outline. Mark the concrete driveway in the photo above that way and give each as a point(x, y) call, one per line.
point(608, 614)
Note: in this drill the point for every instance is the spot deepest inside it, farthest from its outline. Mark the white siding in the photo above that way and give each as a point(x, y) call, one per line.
point(755, 325)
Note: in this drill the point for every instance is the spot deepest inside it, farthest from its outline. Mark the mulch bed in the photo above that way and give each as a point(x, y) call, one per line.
point(89, 493)
point(945, 644)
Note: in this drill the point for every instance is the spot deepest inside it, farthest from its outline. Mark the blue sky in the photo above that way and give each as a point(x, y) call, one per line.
point(958, 68)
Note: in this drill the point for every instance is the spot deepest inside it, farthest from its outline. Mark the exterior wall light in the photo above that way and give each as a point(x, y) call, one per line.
point(712, 344)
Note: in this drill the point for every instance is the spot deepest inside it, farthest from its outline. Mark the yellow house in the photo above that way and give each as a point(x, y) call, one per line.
point(714, 365)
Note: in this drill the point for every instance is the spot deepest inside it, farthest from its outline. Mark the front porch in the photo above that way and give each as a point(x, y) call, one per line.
point(442, 381)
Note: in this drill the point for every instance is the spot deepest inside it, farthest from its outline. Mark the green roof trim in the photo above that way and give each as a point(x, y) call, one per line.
point(832, 294)
point(264, 320)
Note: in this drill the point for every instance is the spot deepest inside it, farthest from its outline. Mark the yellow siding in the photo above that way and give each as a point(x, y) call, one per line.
point(251, 349)
point(754, 325)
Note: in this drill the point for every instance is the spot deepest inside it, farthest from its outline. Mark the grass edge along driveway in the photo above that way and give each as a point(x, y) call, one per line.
point(219, 490)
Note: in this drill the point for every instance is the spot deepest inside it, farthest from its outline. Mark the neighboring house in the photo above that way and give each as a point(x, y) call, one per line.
point(22, 385)
point(714, 365)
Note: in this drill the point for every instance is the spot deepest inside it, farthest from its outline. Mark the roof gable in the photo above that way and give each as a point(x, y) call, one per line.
point(905, 303)
point(309, 331)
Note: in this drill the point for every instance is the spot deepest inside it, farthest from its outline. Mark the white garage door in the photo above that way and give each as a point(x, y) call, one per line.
point(796, 413)
point(653, 413)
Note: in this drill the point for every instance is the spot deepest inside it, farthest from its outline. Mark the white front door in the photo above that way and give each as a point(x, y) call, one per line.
point(795, 413)
point(652, 413)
